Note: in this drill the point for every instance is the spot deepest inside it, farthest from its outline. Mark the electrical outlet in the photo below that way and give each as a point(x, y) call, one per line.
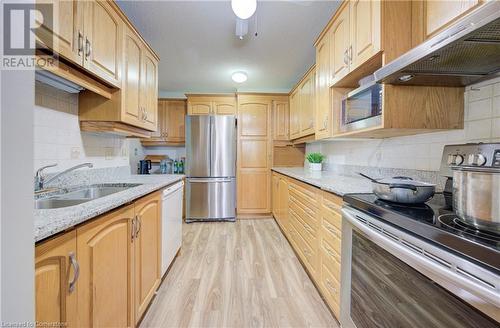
point(75, 153)
point(108, 153)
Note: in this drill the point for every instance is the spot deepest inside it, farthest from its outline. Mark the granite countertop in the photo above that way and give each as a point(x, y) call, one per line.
point(336, 183)
point(48, 222)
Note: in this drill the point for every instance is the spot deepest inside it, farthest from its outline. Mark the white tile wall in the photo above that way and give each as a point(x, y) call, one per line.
point(423, 152)
point(58, 138)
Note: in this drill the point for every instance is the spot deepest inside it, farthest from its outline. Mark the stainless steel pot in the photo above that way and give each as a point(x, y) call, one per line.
point(476, 196)
point(403, 190)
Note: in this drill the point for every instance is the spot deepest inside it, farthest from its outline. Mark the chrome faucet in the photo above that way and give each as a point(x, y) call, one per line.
point(40, 179)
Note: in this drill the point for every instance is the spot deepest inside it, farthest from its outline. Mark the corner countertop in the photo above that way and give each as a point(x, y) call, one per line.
point(49, 222)
point(336, 183)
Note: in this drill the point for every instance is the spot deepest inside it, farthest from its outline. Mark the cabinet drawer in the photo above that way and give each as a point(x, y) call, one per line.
point(304, 212)
point(331, 290)
point(331, 234)
point(305, 252)
point(305, 193)
point(308, 233)
point(330, 258)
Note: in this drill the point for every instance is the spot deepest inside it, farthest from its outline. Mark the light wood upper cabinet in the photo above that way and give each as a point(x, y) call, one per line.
point(365, 31)
point(103, 41)
point(55, 280)
point(339, 42)
point(281, 120)
point(254, 154)
point(323, 108)
point(147, 248)
point(302, 103)
point(211, 104)
point(171, 124)
point(105, 253)
point(132, 68)
point(149, 90)
point(65, 37)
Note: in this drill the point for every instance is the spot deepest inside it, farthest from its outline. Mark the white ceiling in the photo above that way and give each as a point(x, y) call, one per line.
point(198, 48)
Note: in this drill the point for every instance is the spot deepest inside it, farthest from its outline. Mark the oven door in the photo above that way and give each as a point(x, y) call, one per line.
point(392, 279)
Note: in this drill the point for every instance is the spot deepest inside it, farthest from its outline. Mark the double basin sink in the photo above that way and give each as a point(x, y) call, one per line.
point(82, 195)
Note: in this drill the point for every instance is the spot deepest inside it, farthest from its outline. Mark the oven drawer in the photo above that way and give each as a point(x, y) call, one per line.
point(331, 290)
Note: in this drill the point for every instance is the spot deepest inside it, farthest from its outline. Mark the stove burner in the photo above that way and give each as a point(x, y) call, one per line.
point(451, 221)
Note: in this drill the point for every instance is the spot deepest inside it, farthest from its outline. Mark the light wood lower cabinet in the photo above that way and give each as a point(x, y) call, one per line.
point(55, 289)
point(147, 251)
point(103, 273)
point(311, 220)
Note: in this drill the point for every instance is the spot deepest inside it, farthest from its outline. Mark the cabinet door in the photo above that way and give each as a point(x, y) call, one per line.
point(323, 112)
point(294, 115)
point(339, 45)
point(254, 155)
point(281, 119)
point(55, 263)
point(103, 41)
point(306, 106)
point(283, 202)
point(275, 196)
point(365, 31)
point(106, 264)
point(65, 37)
point(147, 250)
point(162, 120)
point(199, 107)
point(149, 90)
point(175, 123)
point(438, 14)
point(131, 108)
point(224, 107)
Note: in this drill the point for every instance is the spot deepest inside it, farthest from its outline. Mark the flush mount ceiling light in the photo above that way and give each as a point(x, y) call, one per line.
point(244, 9)
point(406, 78)
point(239, 77)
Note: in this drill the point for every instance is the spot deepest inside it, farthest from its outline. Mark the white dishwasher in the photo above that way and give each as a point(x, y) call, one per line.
point(172, 200)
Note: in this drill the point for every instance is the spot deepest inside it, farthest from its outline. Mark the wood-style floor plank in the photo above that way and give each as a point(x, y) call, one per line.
point(241, 274)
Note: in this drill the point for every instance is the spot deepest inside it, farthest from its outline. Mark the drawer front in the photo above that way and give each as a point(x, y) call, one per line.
point(305, 229)
point(330, 258)
point(306, 215)
point(305, 252)
point(310, 211)
point(331, 290)
point(333, 235)
point(307, 196)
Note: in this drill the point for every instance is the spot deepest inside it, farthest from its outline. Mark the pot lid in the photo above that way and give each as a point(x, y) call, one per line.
point(405, 180)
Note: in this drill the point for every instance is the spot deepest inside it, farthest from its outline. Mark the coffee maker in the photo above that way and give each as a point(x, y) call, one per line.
point(144, 166)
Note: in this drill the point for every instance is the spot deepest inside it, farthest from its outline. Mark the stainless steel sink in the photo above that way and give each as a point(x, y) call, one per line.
point(80, 196)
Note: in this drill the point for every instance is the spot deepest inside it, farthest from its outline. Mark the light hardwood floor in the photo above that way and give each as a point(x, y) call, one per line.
point(242, 274)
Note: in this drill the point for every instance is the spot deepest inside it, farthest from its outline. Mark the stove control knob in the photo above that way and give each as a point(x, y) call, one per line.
point(455, 159)
point(477, 159)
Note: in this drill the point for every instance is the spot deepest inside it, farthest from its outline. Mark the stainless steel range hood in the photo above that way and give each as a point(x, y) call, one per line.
point(465, 53)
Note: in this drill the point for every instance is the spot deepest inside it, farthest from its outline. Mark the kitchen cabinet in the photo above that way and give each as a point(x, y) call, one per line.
point(65, 36)
point(430, 17)
point(171, 124)
point(339, 43)
point(109, 266)
point(302, 100)
point(311, 220)
point(106, 256)
point(254, 154)
point(281, 120)
point(365, 31)
point(211, 104)
point(275, 194)
point(136, 103)
point(147, 249)
point(55, 280)
point(323, 108)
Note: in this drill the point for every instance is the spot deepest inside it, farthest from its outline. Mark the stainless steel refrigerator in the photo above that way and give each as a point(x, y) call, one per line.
point(210, 168)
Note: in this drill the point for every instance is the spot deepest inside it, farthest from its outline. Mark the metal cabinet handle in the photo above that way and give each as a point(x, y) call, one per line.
point(346, 56)
point(330, 285)
point(76, 268)
point(88, 48)
point(132, 229)
point(80, 43)
point(139, 225)
point(350, 53)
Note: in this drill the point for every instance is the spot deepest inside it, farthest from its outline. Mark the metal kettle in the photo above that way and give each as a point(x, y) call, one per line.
point(144, 166)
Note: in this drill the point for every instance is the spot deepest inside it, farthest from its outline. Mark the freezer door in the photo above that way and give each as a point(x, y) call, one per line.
point(211, 199)
point(223, 151)
point(198, 146)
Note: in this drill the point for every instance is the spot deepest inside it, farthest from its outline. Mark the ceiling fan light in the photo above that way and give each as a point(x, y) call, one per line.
point(239, 77)
point(244, 9)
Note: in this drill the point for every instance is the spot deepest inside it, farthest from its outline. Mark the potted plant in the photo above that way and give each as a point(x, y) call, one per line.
point(315, 161)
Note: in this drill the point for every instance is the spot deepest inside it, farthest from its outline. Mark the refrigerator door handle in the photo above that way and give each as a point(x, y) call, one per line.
point(208, 180)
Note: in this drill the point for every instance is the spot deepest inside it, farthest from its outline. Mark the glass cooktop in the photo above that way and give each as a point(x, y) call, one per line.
point(434, 221)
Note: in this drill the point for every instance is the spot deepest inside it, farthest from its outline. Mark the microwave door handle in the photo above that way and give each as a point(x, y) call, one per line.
point(433, 269)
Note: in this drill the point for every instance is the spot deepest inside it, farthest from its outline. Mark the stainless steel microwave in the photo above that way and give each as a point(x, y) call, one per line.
point(362, 108)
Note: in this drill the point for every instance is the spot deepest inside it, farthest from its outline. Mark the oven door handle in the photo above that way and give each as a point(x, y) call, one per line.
point(421, 256)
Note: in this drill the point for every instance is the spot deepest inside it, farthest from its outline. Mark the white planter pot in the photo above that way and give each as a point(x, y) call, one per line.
point(315, 166)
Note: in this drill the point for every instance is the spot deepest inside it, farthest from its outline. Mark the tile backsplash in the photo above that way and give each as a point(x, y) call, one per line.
point(422, 152)
point(58, 138)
